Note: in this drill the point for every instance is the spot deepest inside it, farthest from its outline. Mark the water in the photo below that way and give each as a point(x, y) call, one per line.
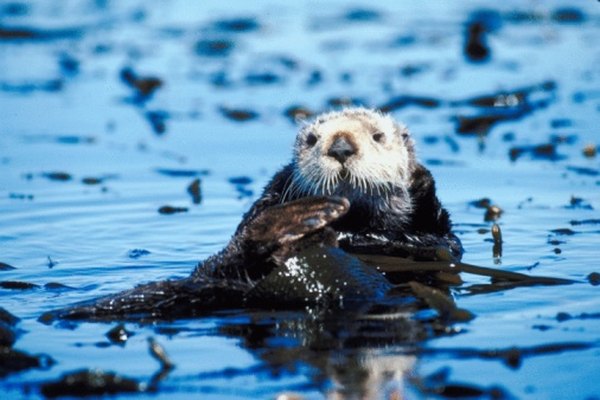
point(63, 108)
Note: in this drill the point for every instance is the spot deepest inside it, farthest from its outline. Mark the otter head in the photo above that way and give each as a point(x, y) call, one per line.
point(355, 153)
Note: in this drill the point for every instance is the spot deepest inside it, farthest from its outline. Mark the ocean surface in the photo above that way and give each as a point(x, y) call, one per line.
point(109, 110)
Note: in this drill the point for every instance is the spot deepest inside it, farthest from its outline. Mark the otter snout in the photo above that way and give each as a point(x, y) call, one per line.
point(341, 149)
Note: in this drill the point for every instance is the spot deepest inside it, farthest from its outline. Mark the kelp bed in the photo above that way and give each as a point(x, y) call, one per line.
point(134, 136)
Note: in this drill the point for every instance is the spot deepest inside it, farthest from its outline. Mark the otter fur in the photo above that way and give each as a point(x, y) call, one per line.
point(366, 157)
point(354, 182)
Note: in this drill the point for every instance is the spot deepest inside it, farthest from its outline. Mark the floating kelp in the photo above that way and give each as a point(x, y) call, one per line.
point(590, 150)
point(182, 173)
point(214, 47)
point(441, 302)
point(515, 98)
point(240, 180)
point(314, 78)
point(238, 114)
point(57, 286)
point(579, 203)
point(544, 151)
point(237, 25)
point(12, 361)
point(298, 113)
point(412, 59)
point(158, 352)
point(19, 196)
point(497, 236)
point(18, 285)
point(480, 24)
point(46, 85)
point(58, 176)
point(14, 9)
point(8, 333)
point(400, 102)
point(362, 15)
point(262, 78)
point(512, 356)
point(158, 120)
point(91, 180)
point(594, 278)
point(241, 184)
point(51, 263)
point(62, 139)
point(492, 211)
point(8, 318)
point(569, 15)
point(476, 48)
point(447, 163)
point(144, 86)
point(195, 191)
point(95, 382)
point(482, 124)
point(69, 65)
point(119, 334)
point(6, 267)
point(167, 210)
point(505, 106)
point(563, 316)
point(585, 171)
point(395, 265)
point(23, 33)
point(481, 203)
point(137, 253)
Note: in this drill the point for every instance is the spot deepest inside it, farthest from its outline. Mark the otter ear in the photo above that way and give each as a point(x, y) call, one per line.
point(301, 119)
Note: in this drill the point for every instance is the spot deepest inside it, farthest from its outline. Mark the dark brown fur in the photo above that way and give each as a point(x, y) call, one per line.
point(274, 230)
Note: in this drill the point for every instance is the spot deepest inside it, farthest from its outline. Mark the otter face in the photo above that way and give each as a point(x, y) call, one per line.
point(353, 153)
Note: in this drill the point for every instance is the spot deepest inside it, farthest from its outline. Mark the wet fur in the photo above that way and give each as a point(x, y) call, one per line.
point(391, 207)
point(392, 196)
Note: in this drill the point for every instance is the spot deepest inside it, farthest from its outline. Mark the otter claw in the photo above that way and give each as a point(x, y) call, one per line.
point(312, 222)
point(292, 221)
point(341, 203)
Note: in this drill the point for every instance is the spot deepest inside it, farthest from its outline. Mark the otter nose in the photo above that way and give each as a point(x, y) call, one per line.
point(341, 149)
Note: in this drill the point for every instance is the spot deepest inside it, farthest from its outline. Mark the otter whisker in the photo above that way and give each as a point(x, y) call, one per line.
point(328, 184)
point(309, 181)
point(296, 191)
point(289, 185)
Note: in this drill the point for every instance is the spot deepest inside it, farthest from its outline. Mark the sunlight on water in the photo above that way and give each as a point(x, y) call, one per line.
point(86, 162)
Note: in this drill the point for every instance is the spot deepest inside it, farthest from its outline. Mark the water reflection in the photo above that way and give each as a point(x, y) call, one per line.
point(345, 356)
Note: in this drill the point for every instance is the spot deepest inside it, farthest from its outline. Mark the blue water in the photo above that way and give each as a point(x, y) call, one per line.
point(92, 126)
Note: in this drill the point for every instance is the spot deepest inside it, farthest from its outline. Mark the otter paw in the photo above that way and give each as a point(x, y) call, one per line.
point(291, 221)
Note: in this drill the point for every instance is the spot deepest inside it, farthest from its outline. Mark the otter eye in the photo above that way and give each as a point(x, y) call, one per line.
point(311, 139)
point(378, 137)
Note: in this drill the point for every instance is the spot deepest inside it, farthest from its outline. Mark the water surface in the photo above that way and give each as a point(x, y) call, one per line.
point(87, 160)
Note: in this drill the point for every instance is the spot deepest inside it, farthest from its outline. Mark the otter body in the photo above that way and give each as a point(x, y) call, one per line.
point(353, 183)
point(367, 158)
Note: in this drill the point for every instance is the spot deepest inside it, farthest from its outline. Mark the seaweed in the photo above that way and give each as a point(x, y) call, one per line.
point(195, 191)
point(167, 210)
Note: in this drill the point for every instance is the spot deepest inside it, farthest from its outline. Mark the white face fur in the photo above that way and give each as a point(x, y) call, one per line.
point(381, 156)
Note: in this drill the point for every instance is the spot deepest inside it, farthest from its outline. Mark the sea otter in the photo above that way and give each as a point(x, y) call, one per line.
point(353, 185)
point(366, 157)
